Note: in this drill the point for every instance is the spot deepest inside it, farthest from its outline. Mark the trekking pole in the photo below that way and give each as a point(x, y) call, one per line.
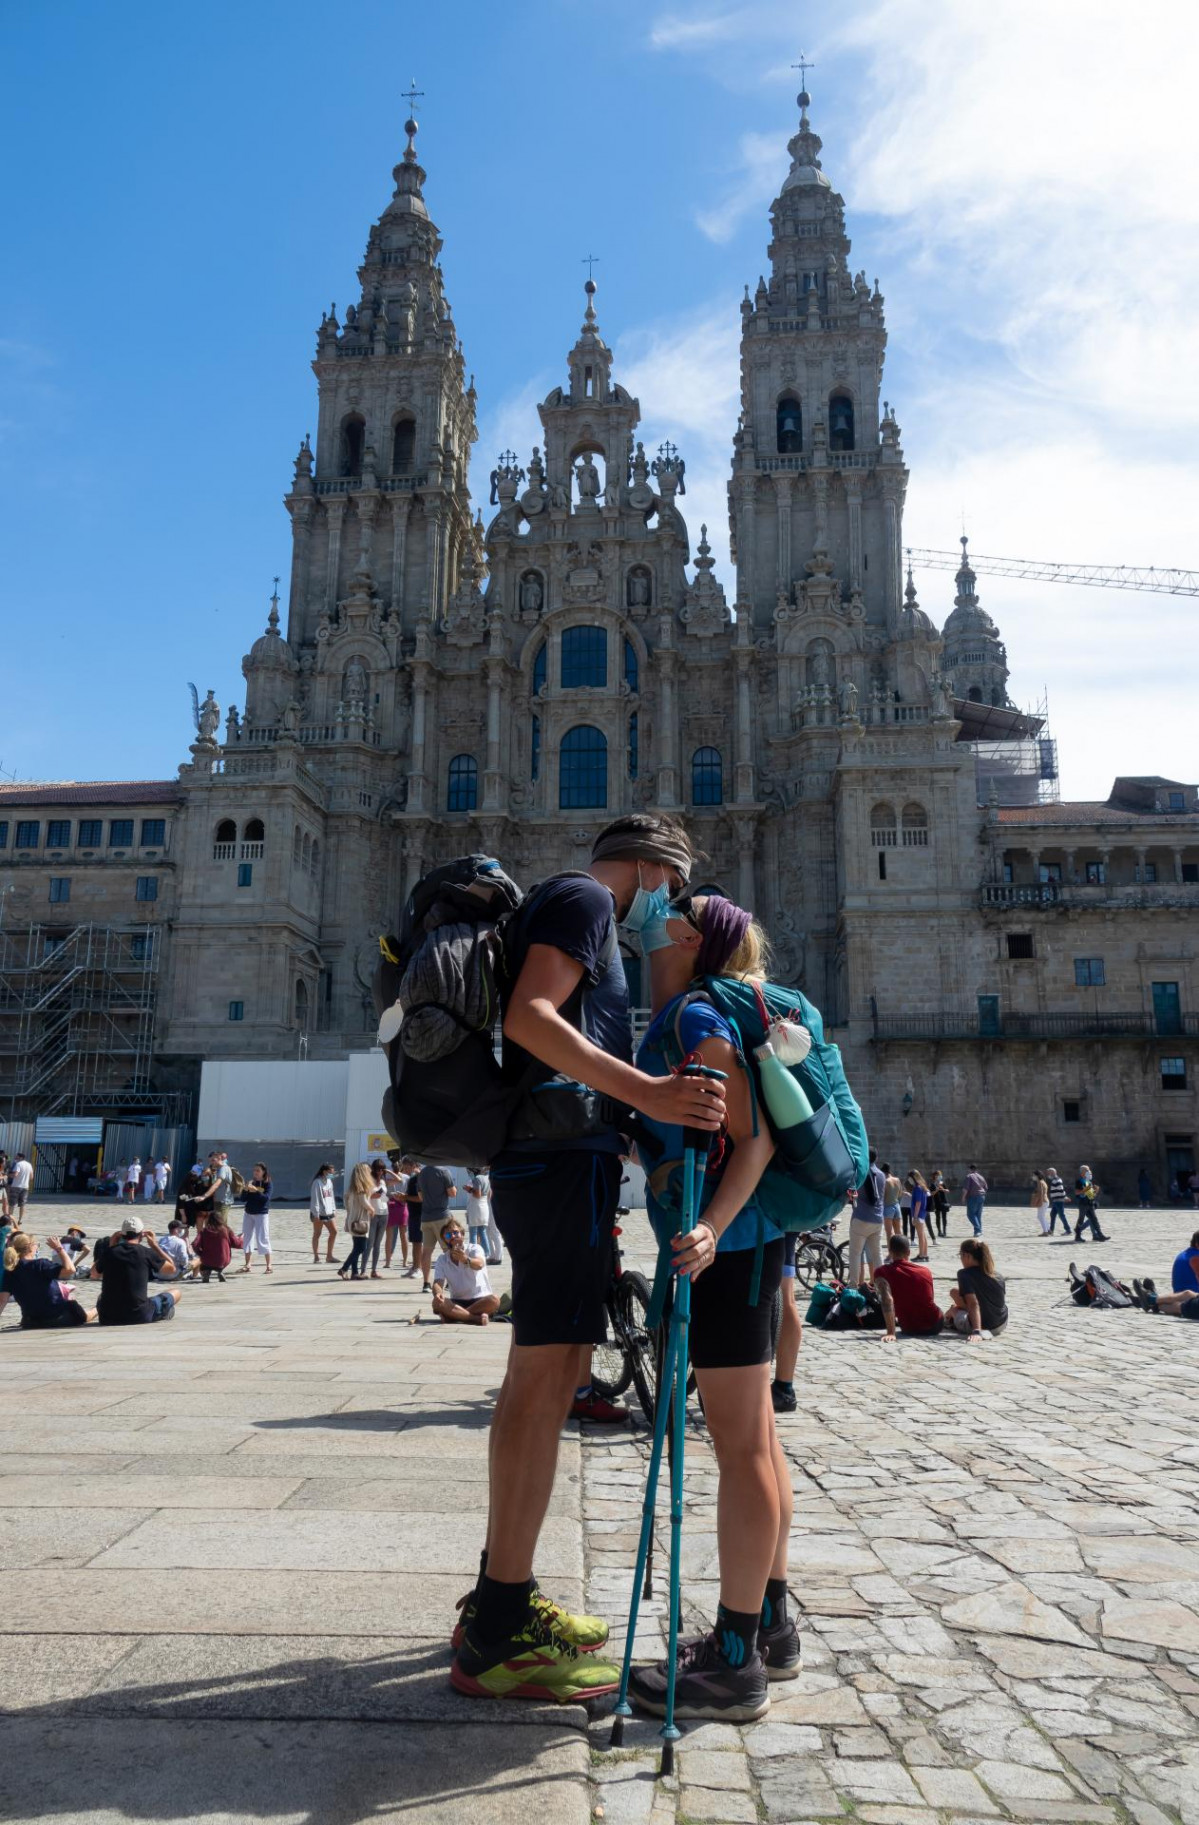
point(696, 1141)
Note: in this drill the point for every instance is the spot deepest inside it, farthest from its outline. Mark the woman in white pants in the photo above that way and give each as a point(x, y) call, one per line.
point(255, 1227)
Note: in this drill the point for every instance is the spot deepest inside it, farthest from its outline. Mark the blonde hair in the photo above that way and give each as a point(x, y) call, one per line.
point(19, 1246)
point(751, 960)
point(359, 1191)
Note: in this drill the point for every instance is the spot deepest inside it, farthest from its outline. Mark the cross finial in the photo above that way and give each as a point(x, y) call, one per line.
point(411, 92)
point(590, 261)
point(273, 617)
point(803, 66)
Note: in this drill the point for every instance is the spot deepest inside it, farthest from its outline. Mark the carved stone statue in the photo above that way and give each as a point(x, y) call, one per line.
point(355, 683)
point(638, 592)
point(940, 697)
point(818, 669)
point(558, 496)
point(531, 593)
point(232, 724)
point(407, 312)
point(587, 477)
point(209, 718)
point(847, 698)
point(291, 717)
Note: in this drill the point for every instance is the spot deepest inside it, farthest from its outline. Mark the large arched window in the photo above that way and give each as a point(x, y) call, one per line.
point(707, 777)
point(306, 861)
point(583, 769)
point(353, 443)
point(914, 824)
point(403, 445)
point(464, 783)
point(883, 827)
point(840, 421)
point(226, 831)
point(255, 831)
point(301, 1005)
point(539, 669)
point(789, 425)
point(631, 669)
point(585, 658)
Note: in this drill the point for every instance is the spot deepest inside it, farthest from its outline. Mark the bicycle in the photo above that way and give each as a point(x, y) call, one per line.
point(630, 1352)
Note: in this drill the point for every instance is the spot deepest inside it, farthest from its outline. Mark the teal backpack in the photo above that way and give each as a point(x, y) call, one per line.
point(818, 1162)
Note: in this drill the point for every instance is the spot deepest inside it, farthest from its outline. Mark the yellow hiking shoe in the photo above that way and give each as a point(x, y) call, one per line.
point(534, 1662)
point(587, 1633)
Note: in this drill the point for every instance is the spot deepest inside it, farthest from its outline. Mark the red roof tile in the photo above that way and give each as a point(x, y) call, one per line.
point(1082, 811)
point(93, 792)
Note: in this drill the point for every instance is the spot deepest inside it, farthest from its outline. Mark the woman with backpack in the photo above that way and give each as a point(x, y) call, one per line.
point(724, 1674)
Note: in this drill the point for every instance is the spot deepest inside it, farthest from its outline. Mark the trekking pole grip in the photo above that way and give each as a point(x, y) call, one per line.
point(700, 1139)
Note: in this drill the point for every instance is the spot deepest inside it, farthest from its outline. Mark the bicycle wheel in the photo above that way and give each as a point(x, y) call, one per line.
point(631, 1303)
point(832, 1261)
point(611, 1369)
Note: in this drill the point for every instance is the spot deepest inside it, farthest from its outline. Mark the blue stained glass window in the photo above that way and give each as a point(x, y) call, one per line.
point(634, 755)
point(464, 783)
point(585, 658)
point(631, 672)
point(582, 769)
point(539, 669)
point(707, 777)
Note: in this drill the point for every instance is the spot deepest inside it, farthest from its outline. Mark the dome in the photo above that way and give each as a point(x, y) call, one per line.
point(801, 175)
point(271, 652)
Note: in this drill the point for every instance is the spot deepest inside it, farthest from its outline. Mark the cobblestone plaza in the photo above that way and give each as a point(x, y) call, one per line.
point(234, 1546)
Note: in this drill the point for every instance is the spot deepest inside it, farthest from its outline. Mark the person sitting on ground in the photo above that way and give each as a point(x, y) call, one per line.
point(76, 1244)
point(1183, 1301)
point(1184, 1275)
point(322, 1208)
point(906, 1290)
point(215, 1245)
point(461, 1290)
point(35, 1285)
point(978, 1303)
point(174, 1245)
point(123, 1265)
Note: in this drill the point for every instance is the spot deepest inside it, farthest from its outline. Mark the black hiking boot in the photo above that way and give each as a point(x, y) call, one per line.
point(706, 1687)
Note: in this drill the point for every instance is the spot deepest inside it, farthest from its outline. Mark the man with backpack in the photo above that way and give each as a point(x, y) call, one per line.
point(555, 1186)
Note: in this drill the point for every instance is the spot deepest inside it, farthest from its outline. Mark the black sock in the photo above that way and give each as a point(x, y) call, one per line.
point(736, 1634)
point(482, 1572)
point(788, 1387)
point(774, 1606)
point(501, 1607)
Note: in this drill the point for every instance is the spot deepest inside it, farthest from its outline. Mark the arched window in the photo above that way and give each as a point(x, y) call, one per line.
point(914, 824)
point(226, 831)
point(254, 832)
point(307, 855)
point(634, 746)
point(585, 657)
point(403, 445)
point(301, 1005)
point(707, 777)
point(975, 694)
point(535, 748)
point(840, 421)
point(464, 783)
point(539, 669)
point(583, 769)
point(883, 834)
point(316, 855)
point(789, 424)
point(353, 442)
point(631, 669)
point(296, 848)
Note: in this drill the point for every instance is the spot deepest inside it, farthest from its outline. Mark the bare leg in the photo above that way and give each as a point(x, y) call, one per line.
point(782, 1477)
point(748, 1504)
point(790, 1334)
point(449, 1311)
point(523, 1453)
point(330, 1239)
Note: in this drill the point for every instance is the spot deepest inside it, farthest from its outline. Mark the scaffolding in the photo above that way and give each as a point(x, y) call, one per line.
point(1020, 767)
point(77, 1012)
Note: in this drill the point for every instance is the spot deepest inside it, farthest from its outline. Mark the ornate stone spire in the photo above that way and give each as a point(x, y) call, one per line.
point(975, 658)
point(590, 360)
point(804, 148)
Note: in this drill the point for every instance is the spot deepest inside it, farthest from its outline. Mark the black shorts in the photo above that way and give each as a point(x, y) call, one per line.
point(66, 1313)
point(727, 1332)
point(414, 1224)
point(555, 1213)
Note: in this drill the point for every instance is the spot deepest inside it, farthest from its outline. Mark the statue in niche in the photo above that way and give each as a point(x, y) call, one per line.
point(355, 683)
point(531, 593)
point(820, 667)
point(232, 725)
point(847, 698)
point(638, 592)
point(291, 717)
point(587, 477)
point(558, 496)
point(407, 311)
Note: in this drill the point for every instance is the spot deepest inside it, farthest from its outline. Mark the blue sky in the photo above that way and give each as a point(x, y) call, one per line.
point(189, 188)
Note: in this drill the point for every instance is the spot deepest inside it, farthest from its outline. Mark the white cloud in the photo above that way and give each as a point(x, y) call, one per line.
point(675, 33)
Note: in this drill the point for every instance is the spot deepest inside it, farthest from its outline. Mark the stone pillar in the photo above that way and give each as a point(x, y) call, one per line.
point(433, 556)
point(893, 560)
point(1035, 857)
point(493, 778)
point(401, 507)
point(301, 527)
point(782, 504)
point(853, 495)
point(743, 771)
point(668, 734)
point(746, 533)
point(368, 507)
point(335, 513)
point(422, 679)
point(820, 504)
point(1139, 866)
point(1105, 857)
point(1070, 871)
point(1178, 865)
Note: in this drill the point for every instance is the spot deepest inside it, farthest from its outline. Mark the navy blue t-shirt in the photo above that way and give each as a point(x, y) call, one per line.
point(576, 915)
point(33, 1284)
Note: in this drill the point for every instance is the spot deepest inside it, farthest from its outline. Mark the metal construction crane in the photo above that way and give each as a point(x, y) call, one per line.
point(1157, 579)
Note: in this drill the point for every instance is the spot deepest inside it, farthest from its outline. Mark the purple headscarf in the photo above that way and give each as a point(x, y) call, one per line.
point(724, 927)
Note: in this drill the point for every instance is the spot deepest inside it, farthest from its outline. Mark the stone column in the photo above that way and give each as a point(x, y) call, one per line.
point(853, 494)
point(893, 559)
point(335, 513)
point(432, 556)
point(782, 506)
point(820, 503)
point(1178, 865)
point(493, 778)
point(1070, 872)
point(1139, 866)
point(422, 678)
point(301, 527)
point(746, 533)
point(401, 507)
point(743, 773)
point(668, 771)
point(368, 507)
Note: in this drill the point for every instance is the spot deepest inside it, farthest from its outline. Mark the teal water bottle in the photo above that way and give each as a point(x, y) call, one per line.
point(784, 1095)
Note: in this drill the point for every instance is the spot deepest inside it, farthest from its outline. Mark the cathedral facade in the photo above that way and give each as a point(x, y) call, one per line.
point(860, 779)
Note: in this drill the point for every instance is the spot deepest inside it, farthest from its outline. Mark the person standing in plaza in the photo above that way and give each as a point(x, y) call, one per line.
point(378, 1198)
point(437, 1187)
point(940, 1203)
point(410, 1173)
point(866, 1225)
point(397, 1214)
point(151, 1168)
point(478, 1209)
point(1040, 1200)
point(359, 1211)
point(322, 1208)
point(974, 1192)
point(918, 1192)
point(162, 1178)
point(1086, 1198)
point(1057, 1200)
point(133, 1178)
point(555, 1204)
point(790, 1337)
point(20, 1183)
point(256, 1232)
point(892, 1202)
